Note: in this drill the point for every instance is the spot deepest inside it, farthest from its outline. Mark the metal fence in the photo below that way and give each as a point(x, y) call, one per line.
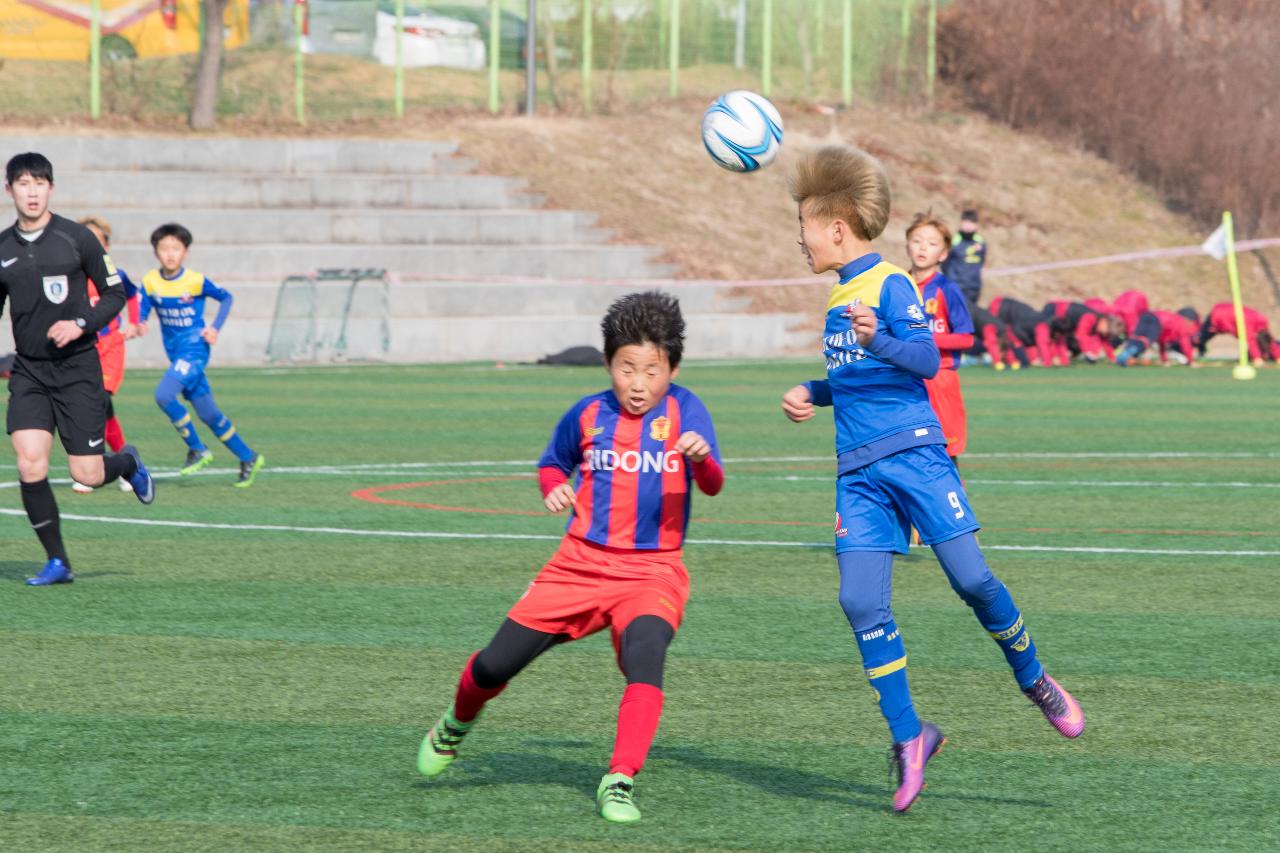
point(348, 59)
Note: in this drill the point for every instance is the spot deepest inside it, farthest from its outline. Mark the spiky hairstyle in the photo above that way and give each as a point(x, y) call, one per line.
point(30, 163)
point(843, 182)
point(171, 229)
point(639, 318)
point(920, 220)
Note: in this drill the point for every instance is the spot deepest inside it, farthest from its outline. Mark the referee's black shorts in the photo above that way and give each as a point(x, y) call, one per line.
point(65, 394)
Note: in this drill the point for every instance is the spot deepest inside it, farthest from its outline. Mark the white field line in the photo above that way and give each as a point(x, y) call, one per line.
point(431, 534)
point(972, 481)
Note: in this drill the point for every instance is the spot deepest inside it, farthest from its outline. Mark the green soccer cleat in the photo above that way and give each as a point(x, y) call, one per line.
point(249, 470)
point(196, 459)
point(615, 799)
point(440, 746)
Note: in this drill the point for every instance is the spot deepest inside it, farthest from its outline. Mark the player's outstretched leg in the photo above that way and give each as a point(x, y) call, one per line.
point(909, 758)
point(485, 676)
point(966, 569)
point(251, 462)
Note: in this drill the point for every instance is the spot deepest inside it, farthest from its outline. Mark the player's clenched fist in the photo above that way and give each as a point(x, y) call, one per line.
point(693, 446)
point(797, 404)
point(864, 323)
point(559, 498)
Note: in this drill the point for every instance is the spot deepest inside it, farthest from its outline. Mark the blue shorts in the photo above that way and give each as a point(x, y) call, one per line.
point(877, 504)
point(189, 375)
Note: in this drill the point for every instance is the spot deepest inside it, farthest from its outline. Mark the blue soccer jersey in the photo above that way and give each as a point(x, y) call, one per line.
point(881, 405)
point(632, 487)
point(179, 305)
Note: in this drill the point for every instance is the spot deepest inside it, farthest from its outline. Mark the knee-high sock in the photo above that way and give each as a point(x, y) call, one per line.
point(222, 427)
point(962, 560)
point(181, 420)
point(42, 510)
point(638, 716)
point(114, 434)
point(470, 697)
point(884, 656)
point(116, 466)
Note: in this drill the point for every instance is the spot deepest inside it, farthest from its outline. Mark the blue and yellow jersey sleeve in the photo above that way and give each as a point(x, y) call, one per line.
point(878, 391)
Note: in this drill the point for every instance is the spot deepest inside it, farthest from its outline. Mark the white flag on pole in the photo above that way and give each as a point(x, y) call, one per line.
point(1216, 245)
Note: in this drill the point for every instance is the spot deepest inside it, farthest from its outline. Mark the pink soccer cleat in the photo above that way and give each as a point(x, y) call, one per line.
point(1063, 711)
point(910, 757)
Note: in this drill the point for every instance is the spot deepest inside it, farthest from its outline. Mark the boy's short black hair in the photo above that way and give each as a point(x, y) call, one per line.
point(30, 163)
point(649, 317)
point(1190, 313)
point(171, 229)
point(970, 214)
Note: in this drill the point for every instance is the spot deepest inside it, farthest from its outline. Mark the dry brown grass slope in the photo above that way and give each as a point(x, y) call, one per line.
point(647, 176)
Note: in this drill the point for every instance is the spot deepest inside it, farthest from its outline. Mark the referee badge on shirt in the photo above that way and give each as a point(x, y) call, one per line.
point(55, 288)
point(660, 428)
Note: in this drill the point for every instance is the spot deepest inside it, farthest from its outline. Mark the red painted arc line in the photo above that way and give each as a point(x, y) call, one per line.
point(373, 494)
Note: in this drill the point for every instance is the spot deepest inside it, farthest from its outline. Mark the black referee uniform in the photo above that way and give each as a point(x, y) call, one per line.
point(45, 281)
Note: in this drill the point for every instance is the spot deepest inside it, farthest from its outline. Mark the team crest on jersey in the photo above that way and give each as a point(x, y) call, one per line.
point(55, 288)
point(660, 428)
point(931, 305)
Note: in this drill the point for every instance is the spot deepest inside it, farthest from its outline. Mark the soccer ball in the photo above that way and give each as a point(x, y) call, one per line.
point(742, 131)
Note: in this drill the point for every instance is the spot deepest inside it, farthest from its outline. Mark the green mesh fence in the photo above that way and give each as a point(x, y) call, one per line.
point(592, 55)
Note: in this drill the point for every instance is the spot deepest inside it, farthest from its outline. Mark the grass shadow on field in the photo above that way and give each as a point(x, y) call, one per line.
point(788, 781)
point(521, 768)
point(21, 570)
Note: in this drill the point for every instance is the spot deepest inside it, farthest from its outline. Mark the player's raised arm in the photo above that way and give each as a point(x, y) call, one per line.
point(699, 446)
point(909, 343)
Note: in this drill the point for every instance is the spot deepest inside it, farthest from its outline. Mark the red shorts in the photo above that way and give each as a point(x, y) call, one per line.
point(584, 587)
point(111, 354)
point(948, 405)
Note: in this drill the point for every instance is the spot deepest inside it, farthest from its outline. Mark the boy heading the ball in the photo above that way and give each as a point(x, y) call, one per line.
point(893, 469)
point(623, 462)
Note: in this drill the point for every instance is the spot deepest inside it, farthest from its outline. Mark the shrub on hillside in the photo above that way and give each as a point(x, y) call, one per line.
point(1182, 92)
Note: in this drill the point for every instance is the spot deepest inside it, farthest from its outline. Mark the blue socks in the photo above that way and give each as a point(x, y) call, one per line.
point(222, 427)
point(885, 659)
point(181, 420)
point(962, 560)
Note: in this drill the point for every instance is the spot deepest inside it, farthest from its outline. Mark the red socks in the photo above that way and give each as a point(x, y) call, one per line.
point(114, 434)
point(638, 716)
point(470, 698)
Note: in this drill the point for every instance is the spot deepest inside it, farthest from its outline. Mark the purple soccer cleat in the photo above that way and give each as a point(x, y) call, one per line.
point(1059, 707)
point(910, 757)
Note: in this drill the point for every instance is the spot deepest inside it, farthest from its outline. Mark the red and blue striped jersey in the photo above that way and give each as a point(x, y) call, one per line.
point(633, 488)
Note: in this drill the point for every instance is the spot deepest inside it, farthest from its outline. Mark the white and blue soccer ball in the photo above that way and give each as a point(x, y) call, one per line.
point(742, 131)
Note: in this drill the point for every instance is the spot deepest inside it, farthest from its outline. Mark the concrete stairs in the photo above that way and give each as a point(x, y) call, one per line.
point(264, 209)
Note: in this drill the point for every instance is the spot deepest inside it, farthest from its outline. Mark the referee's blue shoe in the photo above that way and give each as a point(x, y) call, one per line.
point(54, 571)
point(144, 487)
